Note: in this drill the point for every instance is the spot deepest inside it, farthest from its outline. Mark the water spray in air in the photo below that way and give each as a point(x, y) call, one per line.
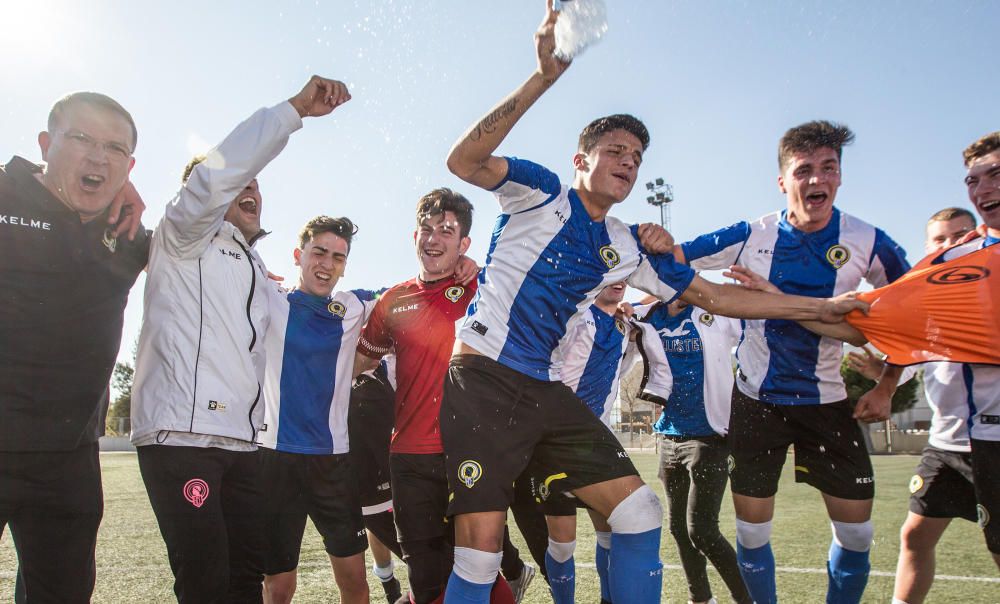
point(580, 24)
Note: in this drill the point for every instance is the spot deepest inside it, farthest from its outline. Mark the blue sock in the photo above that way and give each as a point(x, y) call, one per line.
point(757, 569)
point(562, 579)
point(601, 560)
point(847, 571)
point(634, 568)
point(460, 591)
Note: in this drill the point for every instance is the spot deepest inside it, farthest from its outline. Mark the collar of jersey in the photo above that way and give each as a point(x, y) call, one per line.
point(831, 226)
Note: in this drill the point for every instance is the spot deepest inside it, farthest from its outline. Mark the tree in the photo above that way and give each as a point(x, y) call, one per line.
point(121, 384)
point(857, 385)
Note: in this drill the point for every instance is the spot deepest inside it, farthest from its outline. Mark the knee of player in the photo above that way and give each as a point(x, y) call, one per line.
point(914, 534)
point(640, 512)
point(280, 588)
point(853, 536)
point(678, 526)
point(703, 534)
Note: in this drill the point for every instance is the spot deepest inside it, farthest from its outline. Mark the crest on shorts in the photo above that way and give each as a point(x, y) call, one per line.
point(469, 472)
point(707, 319)
point(730, 463)
point(982, 515)
point(454, 293)
point(837, 256)
point(337, 308)
point(916, 483)
point(109, 240)
point(609, 256)
point(196, 492)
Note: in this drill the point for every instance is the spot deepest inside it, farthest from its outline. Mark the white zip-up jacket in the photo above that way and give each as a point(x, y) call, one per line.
point(200, 360)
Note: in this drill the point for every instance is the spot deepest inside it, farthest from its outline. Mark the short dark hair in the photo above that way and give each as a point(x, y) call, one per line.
point(97, 100)
point(189, 168)
point(619, 121)
point(951, 214)
point(810, 136)
point(444, 200)
point(984, 146)
point(341, 227)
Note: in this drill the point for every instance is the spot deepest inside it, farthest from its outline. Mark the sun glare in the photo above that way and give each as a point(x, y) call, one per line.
point(34, 33)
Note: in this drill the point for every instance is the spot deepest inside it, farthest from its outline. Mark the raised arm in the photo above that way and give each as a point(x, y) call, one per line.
point(471, 158)
point(194, 216)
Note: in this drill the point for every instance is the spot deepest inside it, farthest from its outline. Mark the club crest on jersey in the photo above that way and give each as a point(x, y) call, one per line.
point(469, 472)
point(454, 293)
point(620, 326)
point(109, 240)
point(609, 256)
point(916, 483)
point(707, 319)
point(837, 256)
point(337, 308)
point(982, 516)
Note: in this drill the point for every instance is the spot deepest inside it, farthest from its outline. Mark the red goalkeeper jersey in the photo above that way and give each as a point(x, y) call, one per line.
point(417, 320)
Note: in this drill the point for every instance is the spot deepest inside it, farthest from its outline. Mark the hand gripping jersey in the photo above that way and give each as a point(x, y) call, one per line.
point(698, 349)
point(592, 353)
point(417, 320)
point(546, 264)
point(780, 361)
point(310, 360)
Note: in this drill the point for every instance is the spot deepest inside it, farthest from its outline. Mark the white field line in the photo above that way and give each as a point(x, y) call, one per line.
point(588, 565)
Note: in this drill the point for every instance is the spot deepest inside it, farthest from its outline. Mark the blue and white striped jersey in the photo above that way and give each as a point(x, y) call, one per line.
point(310, 350)
point(698, 347)
point(982, 382)
point(947, 396)
point(547, 262)
point(592, 359)
point(780, 361)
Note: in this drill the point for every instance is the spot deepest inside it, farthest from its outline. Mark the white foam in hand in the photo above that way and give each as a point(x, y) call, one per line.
point(580, 24)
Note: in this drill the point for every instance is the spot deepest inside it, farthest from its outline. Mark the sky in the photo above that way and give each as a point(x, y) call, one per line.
point(717, 83)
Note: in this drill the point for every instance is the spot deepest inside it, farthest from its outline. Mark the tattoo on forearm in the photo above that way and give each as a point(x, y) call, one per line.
point(489, 123)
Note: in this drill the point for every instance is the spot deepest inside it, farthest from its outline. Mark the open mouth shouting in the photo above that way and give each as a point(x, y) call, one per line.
point(817, 198)
point(248, 205)
point(92, 182)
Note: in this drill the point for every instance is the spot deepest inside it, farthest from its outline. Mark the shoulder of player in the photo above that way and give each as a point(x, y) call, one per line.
point(963, 249)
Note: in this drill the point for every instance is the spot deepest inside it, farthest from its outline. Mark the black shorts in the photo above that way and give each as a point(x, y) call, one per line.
point(552, 504)
point(369, 425)
point(322, 487)
point(830, 452)
point(383, 527)
point(942, 486)
point(986, 477)
point(420, 502)
point(495, 420)
point(53, 502)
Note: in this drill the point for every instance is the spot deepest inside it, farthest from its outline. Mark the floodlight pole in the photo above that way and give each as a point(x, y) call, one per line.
point(661, 195)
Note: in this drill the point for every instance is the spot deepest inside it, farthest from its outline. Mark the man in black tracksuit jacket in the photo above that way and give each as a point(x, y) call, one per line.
point(64, 283)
